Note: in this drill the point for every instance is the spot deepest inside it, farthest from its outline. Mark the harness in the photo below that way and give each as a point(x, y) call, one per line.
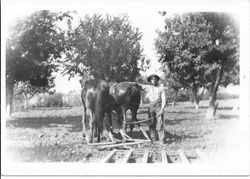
point(112, 87)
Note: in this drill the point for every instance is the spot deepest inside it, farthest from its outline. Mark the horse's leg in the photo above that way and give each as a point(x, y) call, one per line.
point(91, 126)
point(122, 123)
point(134, 110)
point(99, 127)
point(98, 134)
point(95, 131)
point(124, 119)
point(133, 116)
point(84, 132)
point(109, 126)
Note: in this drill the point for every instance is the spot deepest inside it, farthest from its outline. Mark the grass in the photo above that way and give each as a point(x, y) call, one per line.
point(55, 135)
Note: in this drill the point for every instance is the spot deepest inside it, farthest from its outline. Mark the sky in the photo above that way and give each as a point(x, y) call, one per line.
point(148, 29)
point(148, 21)
point(144, 15)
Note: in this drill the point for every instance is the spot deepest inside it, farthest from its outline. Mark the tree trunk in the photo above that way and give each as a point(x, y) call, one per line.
point(173, 104)
point(9, 96)
point(196, 98)
point(202, 93)
point(175, 98)
point(196, 103)
point(211, 111)
point(25, 102)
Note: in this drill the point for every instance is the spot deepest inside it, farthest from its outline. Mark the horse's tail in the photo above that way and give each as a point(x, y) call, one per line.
point(101, 96)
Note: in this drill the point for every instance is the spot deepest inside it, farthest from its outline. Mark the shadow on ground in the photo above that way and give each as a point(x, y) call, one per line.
point(75, 122)
point(206, 107)
point(225, 117)
point(170, 138)
point(184, 112)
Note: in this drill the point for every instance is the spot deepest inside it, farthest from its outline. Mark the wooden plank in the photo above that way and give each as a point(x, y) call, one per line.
point(140, 121)
point(138, 140)
point(108, 157)
point(101, 143)
point(126, 157)
point(183, 157)
point(145, 157)
point(121, 144)
point(164, 157)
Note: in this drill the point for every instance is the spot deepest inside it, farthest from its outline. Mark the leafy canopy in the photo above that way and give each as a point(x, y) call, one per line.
point(194, 46)
point(31, 47)
point(104, 47)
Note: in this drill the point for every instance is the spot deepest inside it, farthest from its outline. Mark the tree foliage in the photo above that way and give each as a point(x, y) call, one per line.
point(104, 47)
point(200, 49)
point(32, 45)
point(180, 48)
point(223, 51)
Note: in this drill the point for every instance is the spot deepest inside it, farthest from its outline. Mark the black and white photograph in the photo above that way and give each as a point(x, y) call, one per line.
point(125, 88)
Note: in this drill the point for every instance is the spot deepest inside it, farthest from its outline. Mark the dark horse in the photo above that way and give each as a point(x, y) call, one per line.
point(126, 95)
point(96, 102)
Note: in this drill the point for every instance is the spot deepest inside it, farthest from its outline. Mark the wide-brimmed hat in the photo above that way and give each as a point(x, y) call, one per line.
point(153, 76)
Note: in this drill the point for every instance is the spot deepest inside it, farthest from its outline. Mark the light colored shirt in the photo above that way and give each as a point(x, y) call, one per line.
point(155, 93)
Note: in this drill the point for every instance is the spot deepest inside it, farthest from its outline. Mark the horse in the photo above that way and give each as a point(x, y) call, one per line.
point(96, 102)
point(126, 95)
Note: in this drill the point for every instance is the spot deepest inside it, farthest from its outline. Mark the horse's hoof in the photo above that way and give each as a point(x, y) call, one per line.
point(83, 135)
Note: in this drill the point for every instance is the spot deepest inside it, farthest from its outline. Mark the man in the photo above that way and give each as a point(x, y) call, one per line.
point(157, 103)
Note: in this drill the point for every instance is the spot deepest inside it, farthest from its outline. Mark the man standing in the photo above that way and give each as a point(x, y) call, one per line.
point(157, 102)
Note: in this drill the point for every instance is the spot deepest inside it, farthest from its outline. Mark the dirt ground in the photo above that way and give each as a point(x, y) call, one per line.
point(55, 135)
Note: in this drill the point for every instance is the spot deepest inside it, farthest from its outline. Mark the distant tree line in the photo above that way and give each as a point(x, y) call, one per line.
point(45, 100)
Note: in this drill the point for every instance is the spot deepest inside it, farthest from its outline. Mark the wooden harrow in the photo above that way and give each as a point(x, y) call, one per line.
point(146, 156)
point(131, 141)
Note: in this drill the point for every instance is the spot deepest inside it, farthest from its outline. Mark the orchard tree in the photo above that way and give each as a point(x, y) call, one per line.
point(179, 46)
point(172, 82)
point(106, 48)
point(31, 47)
point(222, 55)
point(202, 50)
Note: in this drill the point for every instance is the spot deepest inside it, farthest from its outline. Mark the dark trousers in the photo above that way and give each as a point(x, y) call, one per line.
point(156, 128)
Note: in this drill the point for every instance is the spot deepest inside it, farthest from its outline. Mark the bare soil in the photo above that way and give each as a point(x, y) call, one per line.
point(55, 135)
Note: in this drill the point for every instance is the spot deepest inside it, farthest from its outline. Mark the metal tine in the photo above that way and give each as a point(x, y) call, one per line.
point(145, 157)
point(183, 157)
point(126, 157)
point(164, 157)
point(108, 157)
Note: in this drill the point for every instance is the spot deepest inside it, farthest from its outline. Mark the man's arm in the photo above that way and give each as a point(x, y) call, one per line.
point(144, 87)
